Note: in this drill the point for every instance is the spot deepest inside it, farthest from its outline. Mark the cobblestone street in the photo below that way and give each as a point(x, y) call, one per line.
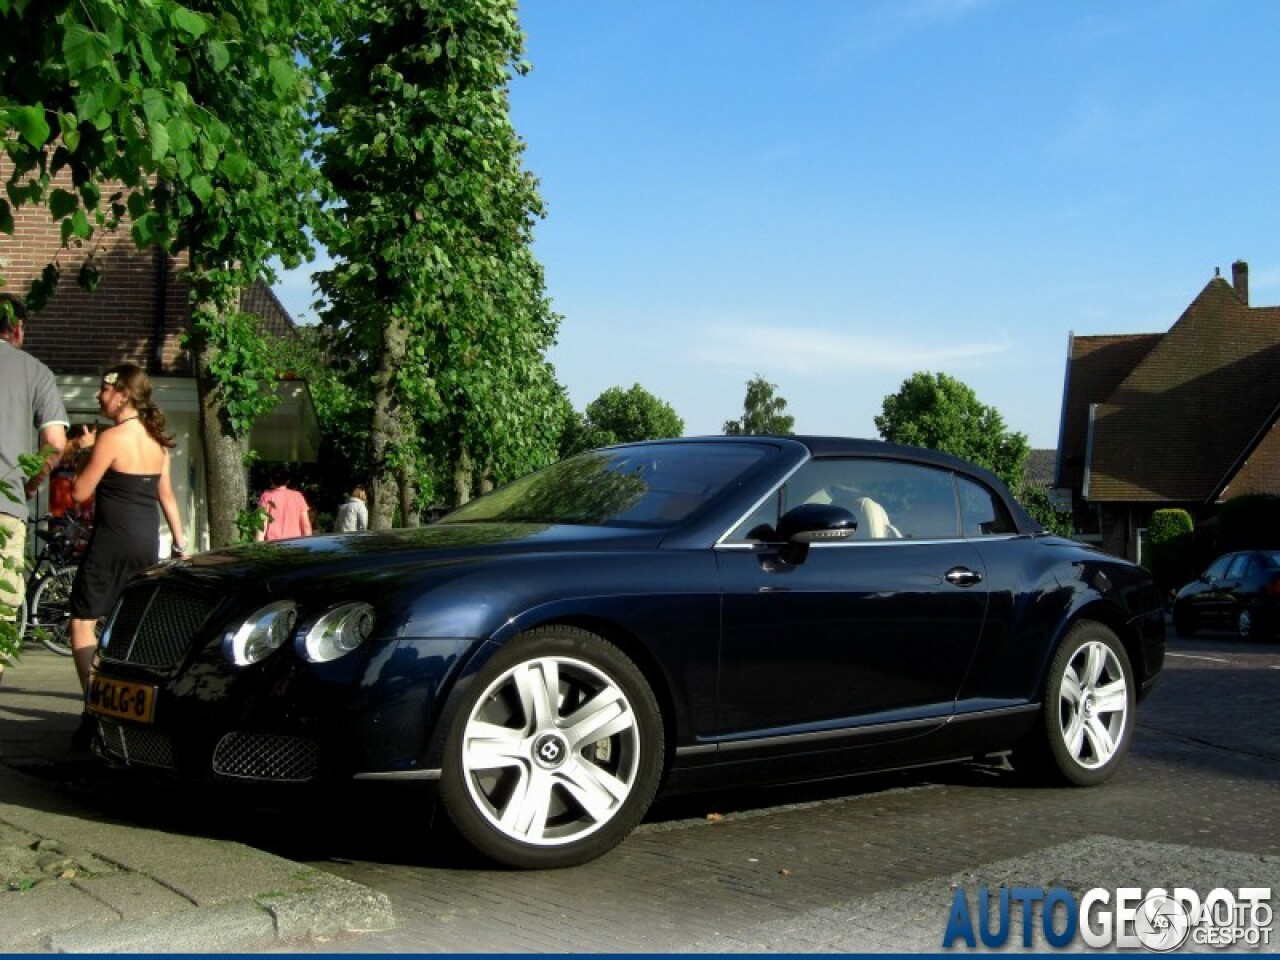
point(870, 864)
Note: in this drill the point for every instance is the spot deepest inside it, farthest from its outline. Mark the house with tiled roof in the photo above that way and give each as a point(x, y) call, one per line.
point(139, 313)
point(1185, 418)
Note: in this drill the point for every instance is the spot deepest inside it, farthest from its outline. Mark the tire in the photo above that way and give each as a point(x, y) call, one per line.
point(49, 618)
point(527, 780)
point(1087, 718)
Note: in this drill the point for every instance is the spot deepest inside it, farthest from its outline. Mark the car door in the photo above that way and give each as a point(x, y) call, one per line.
point(1244, 578)
point(1224, 595)
point(1204, 600)
point(874, 630)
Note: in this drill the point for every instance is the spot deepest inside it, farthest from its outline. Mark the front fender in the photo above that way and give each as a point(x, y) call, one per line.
point(662, 610)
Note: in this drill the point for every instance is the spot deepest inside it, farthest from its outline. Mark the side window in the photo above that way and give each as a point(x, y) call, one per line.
point(983, 513)
point(760, 525)
point(1238, 567)
point(890, 500)
point(1219, 568)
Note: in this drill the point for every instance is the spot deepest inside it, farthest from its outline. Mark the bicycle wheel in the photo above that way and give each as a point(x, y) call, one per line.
point(50, 616)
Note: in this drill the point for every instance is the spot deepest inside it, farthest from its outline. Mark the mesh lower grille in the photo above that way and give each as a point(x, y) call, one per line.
point(136, 745)
point(261, 756)
point(153, 625)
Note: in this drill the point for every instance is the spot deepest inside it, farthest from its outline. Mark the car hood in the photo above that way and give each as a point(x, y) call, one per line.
point(387, 552)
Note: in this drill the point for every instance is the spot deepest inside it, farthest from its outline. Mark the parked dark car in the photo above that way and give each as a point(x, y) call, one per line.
point(672, 615)
point(1239, 592)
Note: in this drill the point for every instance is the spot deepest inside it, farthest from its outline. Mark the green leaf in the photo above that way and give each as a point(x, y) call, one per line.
point(80, 225)
point(6, 218)
point(42, 288)
point(137, 206)
point(143, 230)
point(88, 278)
point(202, 187)
point(181, 135)
point(236, 166)
point(282, 74)
point(189, 22)
point(154, 106)
point(219, 56)
point(69, 130)
point(62, 203)
point(84, 49)
point(30, 122)
point(159, 135)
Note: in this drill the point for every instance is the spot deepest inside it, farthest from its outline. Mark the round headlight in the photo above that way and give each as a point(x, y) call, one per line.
point(267, 630)
point(337, 633)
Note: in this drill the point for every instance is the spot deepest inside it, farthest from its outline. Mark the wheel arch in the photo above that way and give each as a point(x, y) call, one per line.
point(608, 630)
point(642, 656)
point(1114, 619)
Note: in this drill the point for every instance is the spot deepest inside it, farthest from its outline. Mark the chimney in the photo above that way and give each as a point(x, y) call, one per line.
point(1240, 280)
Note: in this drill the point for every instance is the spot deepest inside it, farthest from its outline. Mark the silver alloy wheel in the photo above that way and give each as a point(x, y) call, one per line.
point(1093, 705)
point(551, 750)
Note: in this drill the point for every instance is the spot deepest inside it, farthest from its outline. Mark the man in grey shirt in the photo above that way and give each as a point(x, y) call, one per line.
point(29, 401)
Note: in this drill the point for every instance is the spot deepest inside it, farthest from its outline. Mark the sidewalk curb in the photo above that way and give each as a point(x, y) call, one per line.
point(150, 891)
point(95, 879)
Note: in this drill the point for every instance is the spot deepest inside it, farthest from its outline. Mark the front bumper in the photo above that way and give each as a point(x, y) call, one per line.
point(284, 720)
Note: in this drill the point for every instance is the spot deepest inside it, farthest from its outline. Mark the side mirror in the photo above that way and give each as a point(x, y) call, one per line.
point(816, 523)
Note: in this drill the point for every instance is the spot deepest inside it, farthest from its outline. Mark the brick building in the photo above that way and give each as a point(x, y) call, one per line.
point(139, 314)
point(1186, 418)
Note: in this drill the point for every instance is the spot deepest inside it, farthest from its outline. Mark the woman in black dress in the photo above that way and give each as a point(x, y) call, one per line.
point(128, 474)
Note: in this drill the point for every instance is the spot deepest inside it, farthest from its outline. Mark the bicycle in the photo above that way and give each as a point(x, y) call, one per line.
point(45, 614)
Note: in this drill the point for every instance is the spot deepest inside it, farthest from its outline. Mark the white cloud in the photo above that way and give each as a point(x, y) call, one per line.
point(799, 350)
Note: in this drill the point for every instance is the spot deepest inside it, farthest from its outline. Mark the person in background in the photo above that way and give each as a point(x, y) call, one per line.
point(287, 512)
point(353, 514)
point(28, 399)
point(128, 472)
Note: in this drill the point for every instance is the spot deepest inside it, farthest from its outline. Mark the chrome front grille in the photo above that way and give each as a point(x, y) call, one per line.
point(153, 625)
point(264, 756)
point(136, 745)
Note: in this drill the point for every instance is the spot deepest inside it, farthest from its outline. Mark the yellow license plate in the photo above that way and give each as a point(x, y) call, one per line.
point(118, 698)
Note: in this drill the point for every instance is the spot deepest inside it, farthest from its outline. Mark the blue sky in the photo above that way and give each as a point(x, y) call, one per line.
point(838, 193)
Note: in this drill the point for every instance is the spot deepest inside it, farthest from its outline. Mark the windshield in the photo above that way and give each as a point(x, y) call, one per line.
point(653, 485)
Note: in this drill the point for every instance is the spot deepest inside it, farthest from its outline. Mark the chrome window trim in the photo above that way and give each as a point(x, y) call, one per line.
point(721, 543)
point(887, 542)
point(756, 506)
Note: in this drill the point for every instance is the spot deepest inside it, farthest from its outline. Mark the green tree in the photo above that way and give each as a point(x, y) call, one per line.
point(435, 285)
point(762, 411)
point(624, 416)
point(1171, 537)
point(199, 116)
point(940, 412)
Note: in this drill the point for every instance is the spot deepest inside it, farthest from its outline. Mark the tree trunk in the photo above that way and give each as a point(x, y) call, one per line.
point(386, 429)
point(462, 476)
point(408, 510)
point(226, 480)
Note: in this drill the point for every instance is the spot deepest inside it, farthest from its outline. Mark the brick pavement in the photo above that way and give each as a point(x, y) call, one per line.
point(870, 865)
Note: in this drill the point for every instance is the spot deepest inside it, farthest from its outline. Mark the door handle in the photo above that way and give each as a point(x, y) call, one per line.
point(963, 576)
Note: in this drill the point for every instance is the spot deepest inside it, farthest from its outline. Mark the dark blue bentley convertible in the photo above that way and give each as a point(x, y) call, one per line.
point(656, 616)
